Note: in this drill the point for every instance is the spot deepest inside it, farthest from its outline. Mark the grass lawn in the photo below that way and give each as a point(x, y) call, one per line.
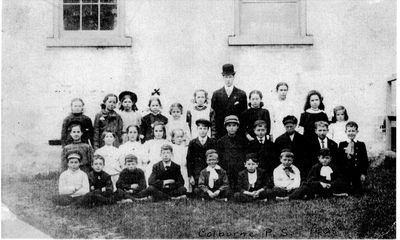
point(369, 216)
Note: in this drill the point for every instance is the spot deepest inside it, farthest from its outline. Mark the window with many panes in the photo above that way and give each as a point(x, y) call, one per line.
point(89, 23)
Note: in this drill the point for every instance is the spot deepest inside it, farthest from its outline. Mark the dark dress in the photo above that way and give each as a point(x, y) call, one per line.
point(146, 129)
point(307, 121)
point(110, 121)
point(224, 106)
point(86, 124)
point(251, 115)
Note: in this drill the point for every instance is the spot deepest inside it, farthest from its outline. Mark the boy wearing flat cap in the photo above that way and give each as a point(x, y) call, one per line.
point(73, 183)
point(213, 180)
point(263, 147)
point(228, 100)
point(196, 154)
point(294, 141)
point(231, 150)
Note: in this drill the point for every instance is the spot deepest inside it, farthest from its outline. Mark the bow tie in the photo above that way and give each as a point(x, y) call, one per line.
point(290, 169)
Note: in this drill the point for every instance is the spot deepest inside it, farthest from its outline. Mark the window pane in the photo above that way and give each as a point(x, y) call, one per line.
point(108, 1)
point(108, 17)
point(71, 17)
point(90, 16)
point(71, 1)
point(90, 1)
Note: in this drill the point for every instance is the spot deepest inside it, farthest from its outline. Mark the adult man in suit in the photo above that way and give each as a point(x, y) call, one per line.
point(226, 101)
point(166, 180)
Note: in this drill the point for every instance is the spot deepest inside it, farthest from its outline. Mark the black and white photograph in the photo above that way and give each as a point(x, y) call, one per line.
point(198, 119)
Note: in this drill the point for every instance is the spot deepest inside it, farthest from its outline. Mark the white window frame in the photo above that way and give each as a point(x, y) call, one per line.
point(239, 39)
point(88, 38)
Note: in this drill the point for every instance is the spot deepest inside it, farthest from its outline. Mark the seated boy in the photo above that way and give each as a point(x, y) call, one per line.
point(231, 150)
point(353, 159)
point(101, 188)
point(77, 145)
point(166, 181)
point(252, 181)
point(213, 180)
point(324, 179)
point(73, 182)
point(263, 147)
point(294, 141)
point(196, 160)
point(286, 176)
point(319, 142)
point(131, 182)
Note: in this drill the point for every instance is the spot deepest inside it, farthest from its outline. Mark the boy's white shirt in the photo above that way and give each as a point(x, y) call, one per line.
point(326, 172)
point(281, 180)
point(213, 175)
point(252, 178)
point(71, 180)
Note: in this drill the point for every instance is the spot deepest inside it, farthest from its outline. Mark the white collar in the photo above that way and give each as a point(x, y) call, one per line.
point(217, 167)
point(325, 140)
point(310, 110)
point(228, 88)
point(167, 165)
point(354, 140)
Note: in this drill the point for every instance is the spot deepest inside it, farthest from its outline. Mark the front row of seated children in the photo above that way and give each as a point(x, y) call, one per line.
point(166, 181)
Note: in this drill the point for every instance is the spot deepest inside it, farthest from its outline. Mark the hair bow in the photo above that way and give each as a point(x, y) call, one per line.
point(156, 92)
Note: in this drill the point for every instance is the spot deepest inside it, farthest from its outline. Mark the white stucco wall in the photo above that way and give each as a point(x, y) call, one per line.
point(179, 46)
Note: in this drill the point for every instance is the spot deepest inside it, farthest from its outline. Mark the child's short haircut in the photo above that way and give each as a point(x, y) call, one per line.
point(211, 153)
point(287, 153)
point(175, 105)
point(204, 122)
point(352, 124)
point(76, 100)
point(97, 157)
point(200, 90)
point(289, 119)
point(260, 123)
point(253, 157)
point(281, 84)
point(324, 152)
point(339, 108)
point(321, 124)
point(137, 129)
point(103, 135)
point(176, 131)
point(74, 155)
point(166, 147)
point(155, 99)
point(130, 158)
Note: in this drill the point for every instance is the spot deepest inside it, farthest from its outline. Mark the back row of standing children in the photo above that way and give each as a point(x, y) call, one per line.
point(226, 125)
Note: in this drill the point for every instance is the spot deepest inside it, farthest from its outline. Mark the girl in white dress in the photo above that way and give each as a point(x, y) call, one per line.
point(200, 109)
point(180, 152)
point(110, 155)
point(176, 121)
point(338, 126)
point(132, 146)
point(152, 148)
point(280, 109)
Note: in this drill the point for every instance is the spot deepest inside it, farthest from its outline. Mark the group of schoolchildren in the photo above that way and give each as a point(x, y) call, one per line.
point(222, 150)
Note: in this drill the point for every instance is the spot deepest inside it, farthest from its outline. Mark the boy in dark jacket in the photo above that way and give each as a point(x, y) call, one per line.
point(353, 159)
point(131, 182)
point(252, 181)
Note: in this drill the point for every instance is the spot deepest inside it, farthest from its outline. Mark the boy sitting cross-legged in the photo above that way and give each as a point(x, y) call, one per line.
point(73, 182)
point(101, 187)
point(166, 181)
point(324, 179)
point(213, 180)
point(252, 181)
point(131, 182)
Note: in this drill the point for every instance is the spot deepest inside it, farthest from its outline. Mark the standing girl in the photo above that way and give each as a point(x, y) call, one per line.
point(313, 112)
point(180, 152)
point(338, 126)
point(77, 115)
point(112, 166)
point(199, 110)
point(132, 146)
point(280, 108)
point(128, 111)
point(176, 121)
point(254, 113)
point(146, 129)
point(153, 148)
point(107, 119)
